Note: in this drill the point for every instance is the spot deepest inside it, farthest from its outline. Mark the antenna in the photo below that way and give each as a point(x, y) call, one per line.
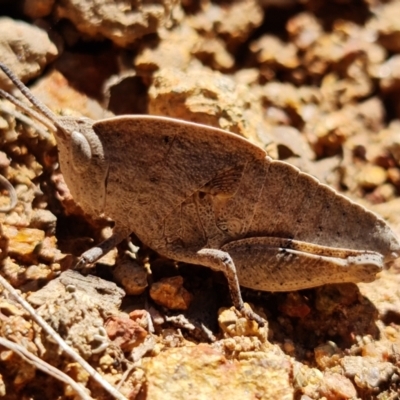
point(30, 111)
point(28, 94)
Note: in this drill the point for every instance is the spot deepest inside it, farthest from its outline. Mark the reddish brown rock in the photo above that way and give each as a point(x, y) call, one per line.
point(170, 293)
point(125, 332)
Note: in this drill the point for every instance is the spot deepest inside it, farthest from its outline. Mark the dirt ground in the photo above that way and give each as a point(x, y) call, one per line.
point(314, 83)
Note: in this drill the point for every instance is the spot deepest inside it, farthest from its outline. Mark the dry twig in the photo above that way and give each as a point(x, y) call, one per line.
point(64, 346)
point(45, 367)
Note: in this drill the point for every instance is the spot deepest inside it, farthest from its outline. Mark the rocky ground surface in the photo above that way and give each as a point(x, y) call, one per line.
point(314, 83)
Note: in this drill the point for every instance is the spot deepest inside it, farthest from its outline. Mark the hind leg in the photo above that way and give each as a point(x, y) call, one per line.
point(219, 260)
point(278, 264)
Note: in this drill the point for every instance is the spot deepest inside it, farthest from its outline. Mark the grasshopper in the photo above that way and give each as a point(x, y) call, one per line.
point(202, 195)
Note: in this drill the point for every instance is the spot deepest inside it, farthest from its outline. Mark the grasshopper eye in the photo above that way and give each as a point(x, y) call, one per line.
point(81, 152)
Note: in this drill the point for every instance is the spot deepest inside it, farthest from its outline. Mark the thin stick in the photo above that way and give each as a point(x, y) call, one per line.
point(27, 93)
point(45, 367)
point(57, 338)
point(34, 114)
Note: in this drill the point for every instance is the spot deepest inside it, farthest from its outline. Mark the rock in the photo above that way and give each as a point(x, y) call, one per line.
point(327, 355)
point(387, 26)
point(78, 306)
point(337, 387)
point(291, 142)
point(78, 374)
point(143, 318)
point(210, 98)
point(57, 92)
point(307, 380)
point(25, 49)
point(123, 22)
point(174, 50)
point(131, 276)
point(201, 372)
point(125, 332)
point(45, 220)
point(38, 272)
point(213, 52)
point(170, 293)
point(23, 242)
point(383, 193)
point(389, 75)
point(105, 294)
point(383, 291)
point(366, 372)
point(4, 160)
point(272, 53)
point(329, 298)
point(235, 21)
point(295, 305)
point(371, 176)
point(38, 8)
point(304, 29)
point(233, 325)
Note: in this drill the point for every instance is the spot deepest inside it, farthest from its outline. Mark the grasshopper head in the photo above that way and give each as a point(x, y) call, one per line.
point(82, 163)
point(80, 150)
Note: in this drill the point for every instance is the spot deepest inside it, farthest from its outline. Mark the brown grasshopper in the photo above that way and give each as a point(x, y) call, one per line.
point(201, 195)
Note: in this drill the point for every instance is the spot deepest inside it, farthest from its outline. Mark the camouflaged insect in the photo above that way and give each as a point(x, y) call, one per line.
point(205, 196)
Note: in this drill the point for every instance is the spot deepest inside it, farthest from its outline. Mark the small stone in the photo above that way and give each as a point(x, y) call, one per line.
point(170, 293)
point(141, 317)
point(35, 49)
point(13, 272)
point(378, 350)
point(387, 25)
point(327, 355)
point(304, 29)
point(367, 372)
point(131, 276)
point(382, 194)
point(371, 176)
point(212, 51)
point(122, 22)
point(44, 220)
point(40, 271)
point(4, 160)
point(232, 324)
point(271, 51)
point(38, 8)
point(337, 387)
point(106, 362)
point(80, 304)
point(307, 379)
point(235, 21)
point(23, 242)
point(77, 372)
point(3, 390)
point(48, 250)
point(295, 305)
point(172, 51)
point(331, 297)
point(58, 92)
point(4, 126)
point(394, 176)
